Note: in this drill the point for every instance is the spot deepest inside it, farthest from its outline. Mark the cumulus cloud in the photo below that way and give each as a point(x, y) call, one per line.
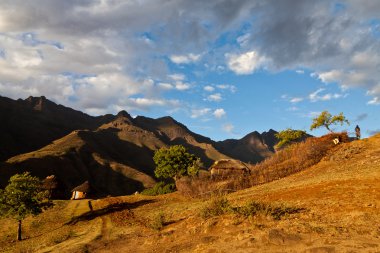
point(219, 113)
point(69, 42)
point(177, 77)
point(209, 88)
point(182, 86)
point(165, 86)
point(217, 97)
point(245, 63)
point(374, 101)
point(75, 44)
point(147, 102)
point(229, 87)
point(196, 113)
point(185, 59)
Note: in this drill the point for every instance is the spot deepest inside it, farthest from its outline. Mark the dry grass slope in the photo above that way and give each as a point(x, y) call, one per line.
point(285, 162)
point(338, 203)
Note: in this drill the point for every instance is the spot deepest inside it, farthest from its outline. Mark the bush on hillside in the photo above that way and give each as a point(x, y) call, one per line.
point(175, 162)
point(289, 136)
point(290, 160)
point(159, 188)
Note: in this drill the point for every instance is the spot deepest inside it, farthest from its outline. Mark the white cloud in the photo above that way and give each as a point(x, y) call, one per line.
point(185, 59)
point(232, 88)
point(300, 71)
point(330, 76)
point(177, 77)
point(209, 88)
point(182, 86)
point(243, 40)
point(148, 102)
point(215, 97)
point(246, 63)
point(228, 127)
point(296, 100)
point(165, 86)
point(374, 101)
point(76, 39)
point(196, 113)
point(219, 113)
point(315, 96)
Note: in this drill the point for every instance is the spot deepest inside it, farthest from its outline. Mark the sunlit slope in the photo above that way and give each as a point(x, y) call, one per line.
point(338, 198)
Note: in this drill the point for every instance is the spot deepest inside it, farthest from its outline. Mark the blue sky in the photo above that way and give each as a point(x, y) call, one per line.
point(223, 68)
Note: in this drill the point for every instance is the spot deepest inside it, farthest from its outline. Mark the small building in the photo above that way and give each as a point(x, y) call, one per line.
point(228, 167)
point(81, 191)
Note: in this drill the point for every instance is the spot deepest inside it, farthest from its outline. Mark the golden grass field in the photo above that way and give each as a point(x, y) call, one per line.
point(338, 201)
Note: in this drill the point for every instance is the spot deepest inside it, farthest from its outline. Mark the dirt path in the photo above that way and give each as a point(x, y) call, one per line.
point(85, 232)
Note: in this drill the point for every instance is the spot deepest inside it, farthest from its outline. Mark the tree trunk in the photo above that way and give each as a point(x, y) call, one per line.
point(19, 238)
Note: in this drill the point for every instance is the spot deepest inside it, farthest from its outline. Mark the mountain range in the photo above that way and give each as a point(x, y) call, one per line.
point(113, 152)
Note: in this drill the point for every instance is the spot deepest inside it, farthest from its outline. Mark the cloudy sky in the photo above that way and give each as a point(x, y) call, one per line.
point(224, 67)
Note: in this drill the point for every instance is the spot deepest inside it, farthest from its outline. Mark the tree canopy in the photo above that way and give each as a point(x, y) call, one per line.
point(175, 162)
point(23, 196)
point(326, 119)
point(288, 136)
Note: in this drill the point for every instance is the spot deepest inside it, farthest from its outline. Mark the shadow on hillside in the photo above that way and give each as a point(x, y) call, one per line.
point(107, 210)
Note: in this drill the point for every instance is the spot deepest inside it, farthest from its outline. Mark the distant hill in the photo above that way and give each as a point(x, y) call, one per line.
point(113, 152)
point(252, 148)
point(30, 124)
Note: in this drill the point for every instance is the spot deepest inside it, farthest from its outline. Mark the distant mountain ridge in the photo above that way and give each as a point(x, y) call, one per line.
point(113, 152)
point(30, 124)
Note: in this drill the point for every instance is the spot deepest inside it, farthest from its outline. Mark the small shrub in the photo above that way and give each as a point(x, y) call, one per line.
point(278, 212)
point(217, 206)
point(220, 205)
point(251, 209)
point(255, 208)
point(158, 221)
point(159, 188)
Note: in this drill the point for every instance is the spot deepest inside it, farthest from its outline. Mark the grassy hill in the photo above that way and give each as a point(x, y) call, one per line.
point(333, 206)
point(30, 124)
point(113, 152)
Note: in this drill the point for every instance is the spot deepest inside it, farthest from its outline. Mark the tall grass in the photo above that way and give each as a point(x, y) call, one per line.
point(287, 161)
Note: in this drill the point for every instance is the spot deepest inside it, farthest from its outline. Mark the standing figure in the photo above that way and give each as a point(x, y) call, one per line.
point(357, 131)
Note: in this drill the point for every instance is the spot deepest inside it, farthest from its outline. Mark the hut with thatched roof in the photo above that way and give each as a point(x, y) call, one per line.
point(81, 191)
point(229, 167)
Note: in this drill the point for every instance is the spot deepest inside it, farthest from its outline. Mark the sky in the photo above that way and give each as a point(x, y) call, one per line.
point(224, 68)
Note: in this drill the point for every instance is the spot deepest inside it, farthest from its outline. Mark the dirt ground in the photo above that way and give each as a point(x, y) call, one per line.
point(339, 199)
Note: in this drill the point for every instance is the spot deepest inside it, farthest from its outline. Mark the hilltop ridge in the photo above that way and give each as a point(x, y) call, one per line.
point(113, 152)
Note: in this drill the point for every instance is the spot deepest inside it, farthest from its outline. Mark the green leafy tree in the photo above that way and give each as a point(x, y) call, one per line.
point(23, 196)
point(288, 136)
point(326, 119)
point(175, 162)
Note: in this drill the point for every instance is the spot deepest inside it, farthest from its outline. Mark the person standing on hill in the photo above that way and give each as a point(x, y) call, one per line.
point(357, 131)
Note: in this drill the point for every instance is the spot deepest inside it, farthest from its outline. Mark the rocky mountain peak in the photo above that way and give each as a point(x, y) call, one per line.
point(38, 103)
